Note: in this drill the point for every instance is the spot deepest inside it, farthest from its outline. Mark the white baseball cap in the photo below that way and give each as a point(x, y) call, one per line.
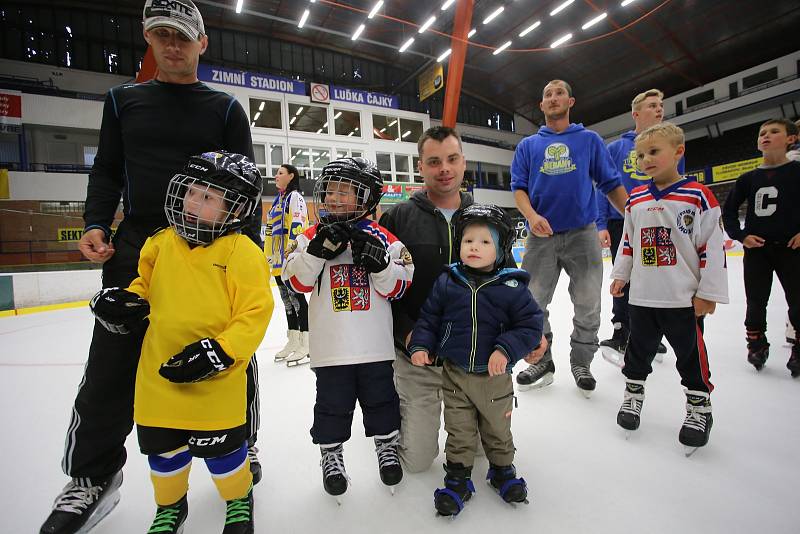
point(182, 15)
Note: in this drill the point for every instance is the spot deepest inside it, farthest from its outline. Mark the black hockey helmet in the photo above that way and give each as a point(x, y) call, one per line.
point(232, 176)
point(493, 216)
point(358, 175)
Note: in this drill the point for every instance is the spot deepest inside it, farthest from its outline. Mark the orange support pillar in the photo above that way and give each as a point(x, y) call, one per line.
point(149, 68)
point(455, 71)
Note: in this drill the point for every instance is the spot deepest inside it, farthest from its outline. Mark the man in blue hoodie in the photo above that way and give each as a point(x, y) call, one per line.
point(647, 109)
point(553, 177)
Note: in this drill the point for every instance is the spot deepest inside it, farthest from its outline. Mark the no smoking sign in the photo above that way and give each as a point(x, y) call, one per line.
point(320, 93)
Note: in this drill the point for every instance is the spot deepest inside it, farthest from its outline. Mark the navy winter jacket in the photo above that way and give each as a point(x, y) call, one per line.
point(465, 324)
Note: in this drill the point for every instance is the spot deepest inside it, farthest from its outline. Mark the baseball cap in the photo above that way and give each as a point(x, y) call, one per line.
point(182, 15)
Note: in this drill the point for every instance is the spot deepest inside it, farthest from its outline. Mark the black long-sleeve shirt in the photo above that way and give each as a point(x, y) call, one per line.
point(148, 133)
point(773, 197)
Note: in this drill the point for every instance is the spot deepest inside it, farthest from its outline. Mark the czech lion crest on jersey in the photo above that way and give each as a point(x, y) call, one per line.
point(557, 160)
point(349, 288)
point(686, 221)
point(658, 250)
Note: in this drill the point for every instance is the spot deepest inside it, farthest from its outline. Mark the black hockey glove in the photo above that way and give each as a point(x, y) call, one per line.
point(199, 361)
point(369, 252)
point(119, 310)
point(330, 241)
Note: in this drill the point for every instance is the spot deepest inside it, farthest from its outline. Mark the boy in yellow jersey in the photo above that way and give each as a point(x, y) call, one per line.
point(204, 287)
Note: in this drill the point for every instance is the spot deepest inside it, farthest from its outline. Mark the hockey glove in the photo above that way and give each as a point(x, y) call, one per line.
point(330, 241)
point(119, 310)
point(369, 252)
point(199, 361)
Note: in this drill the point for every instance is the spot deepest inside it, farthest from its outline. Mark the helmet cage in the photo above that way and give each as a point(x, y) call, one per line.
point(348, 190)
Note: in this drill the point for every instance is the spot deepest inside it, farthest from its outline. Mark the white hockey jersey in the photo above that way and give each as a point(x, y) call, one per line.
point(349, 313)
point(672, 246)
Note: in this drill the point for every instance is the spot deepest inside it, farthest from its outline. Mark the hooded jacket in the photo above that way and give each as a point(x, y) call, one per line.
point(466, 319)
point(557, 171)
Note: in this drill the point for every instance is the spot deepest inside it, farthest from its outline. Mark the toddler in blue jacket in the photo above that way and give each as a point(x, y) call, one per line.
point(477, 351)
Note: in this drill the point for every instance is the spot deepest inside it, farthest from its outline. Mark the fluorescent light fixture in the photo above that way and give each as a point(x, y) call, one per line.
point(561, 40)
point(258, 114)
point(338, 114)
point(594, 21)
point(444, 55)
point(447, 4)
point(406, 45)
point(304, 18)
point(502, 47)
point(319, 131)
point(383, 130)
point(428, 24)
point(356, 129)
point(325, 125)
point(351, 133)
point(406, 134)
point(299, 111)
point(261, 107)
point(626, 2)
point(357, 32)
point(561, 8)
point(530, 28)
point(239, 5)
point(293, 119)
point(393, 122)
point(375, 9)
point(493, 14)
point(472, 32)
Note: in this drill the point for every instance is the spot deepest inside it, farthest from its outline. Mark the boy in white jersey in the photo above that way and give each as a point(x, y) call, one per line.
point(672, 254)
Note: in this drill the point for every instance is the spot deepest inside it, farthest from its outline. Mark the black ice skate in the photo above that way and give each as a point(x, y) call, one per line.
point(697, 426)
point(255, 465)
point(613, 349)
point(170, 519)
point(239, 515)
point(757, 349)
point(80, 507)
point(388, 461)
point(584, 379)
point(457, 490)
point(630, 413)
point(536, 376)
point(504, 480)
point(794, 360)
point(334, 477)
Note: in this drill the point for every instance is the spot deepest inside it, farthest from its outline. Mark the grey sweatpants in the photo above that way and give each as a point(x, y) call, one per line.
point(578, 253)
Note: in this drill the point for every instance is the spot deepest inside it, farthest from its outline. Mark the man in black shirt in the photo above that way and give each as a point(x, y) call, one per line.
point(148, 132)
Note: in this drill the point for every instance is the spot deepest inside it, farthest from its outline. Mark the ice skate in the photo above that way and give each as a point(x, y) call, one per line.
point(170, 519)
point(794, 360)
point(300, 355)
point(79, 508)
point(334, 476)
point(757, 349)
point(630, 412)
point(458, 489)
point(660, 352)
point(613, 349)
point(536, 376)
point(239, 515)
point(696, 427)
point(503, 479)
point(292, 344)
point(584, 379)
point(388, 461)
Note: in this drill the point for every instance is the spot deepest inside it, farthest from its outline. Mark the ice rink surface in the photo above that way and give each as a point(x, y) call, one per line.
point(583, 476)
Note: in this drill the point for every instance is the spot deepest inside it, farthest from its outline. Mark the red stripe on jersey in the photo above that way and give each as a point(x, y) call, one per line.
point(684, 198)
point(397, 290)
point(711, 200)
point(639, 200)
point(297, 286)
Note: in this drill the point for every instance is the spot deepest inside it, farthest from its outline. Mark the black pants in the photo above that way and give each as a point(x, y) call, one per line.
point(338, 388)
point(684, 332)
point(759, 264)
point(619, 309)
point(294, 305)
point(102, 416)
point(201, 443)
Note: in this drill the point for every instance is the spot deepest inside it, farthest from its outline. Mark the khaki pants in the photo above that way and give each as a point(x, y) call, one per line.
point(473, 404)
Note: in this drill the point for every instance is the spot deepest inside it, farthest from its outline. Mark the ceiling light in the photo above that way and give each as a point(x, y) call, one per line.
point(626, 2)
point(299, 111)
point(339, 114)
point(258, 114)
point(351, 133)
point(530, 28)
point(502, 47)
point(447, 4)
point(319, 131)
point(561, 40)
point(406, 45)
point(357, 32)
point(292, 121)
point(383, 130)
point(472, 32)
point(261, 107)
point(427, 24)
point(560, 8)
point(494, 14)
point(444, 55)
point(393, 122)
point(304, 18)
point(408, 132)
point(594, 21)
point(325, 125)
point(375, 9)
point(239, 6)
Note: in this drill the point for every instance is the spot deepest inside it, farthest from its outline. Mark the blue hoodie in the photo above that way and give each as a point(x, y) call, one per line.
point(557, 170)
point(624, 155)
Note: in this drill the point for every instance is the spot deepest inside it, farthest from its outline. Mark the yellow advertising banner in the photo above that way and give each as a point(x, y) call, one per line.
point(70, 234)
point(4, 189)
point(430, 81)
point(731, 171)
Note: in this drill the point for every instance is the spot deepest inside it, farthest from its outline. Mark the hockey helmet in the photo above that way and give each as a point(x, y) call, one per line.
point(489, 215)
point(349, 189)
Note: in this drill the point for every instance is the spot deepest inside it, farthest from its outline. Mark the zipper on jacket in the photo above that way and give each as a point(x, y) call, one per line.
point(475, 322)
point(449, 236)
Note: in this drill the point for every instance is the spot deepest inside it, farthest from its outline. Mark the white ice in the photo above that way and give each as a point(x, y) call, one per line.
point(583, 476)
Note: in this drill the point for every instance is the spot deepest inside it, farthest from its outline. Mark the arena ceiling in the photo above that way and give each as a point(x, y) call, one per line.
point(674, 45)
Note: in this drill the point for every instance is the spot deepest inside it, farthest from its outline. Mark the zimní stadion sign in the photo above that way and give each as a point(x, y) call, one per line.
point(268, 82)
